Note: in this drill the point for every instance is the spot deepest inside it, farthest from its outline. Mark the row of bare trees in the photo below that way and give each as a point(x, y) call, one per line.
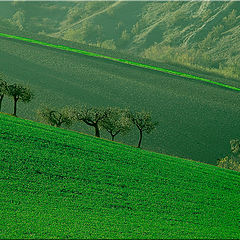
point(114, 120)
point(16, 91)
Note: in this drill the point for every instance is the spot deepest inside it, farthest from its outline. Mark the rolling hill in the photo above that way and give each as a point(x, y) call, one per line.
point(62, 184)
point(197, 34)
point(197, 119)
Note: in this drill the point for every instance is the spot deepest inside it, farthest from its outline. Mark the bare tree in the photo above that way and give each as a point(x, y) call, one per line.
point(92, 116)
point(19, 93)
point(117, 121)
point(57, 118)
point(143, 122)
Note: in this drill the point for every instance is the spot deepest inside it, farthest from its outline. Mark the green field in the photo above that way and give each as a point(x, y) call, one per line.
point(125, 61)
point(61, 184)
point(197, 119)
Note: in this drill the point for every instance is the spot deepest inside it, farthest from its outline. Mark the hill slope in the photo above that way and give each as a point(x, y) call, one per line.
point(197, 120)
point(198, 34)
point(62, 184)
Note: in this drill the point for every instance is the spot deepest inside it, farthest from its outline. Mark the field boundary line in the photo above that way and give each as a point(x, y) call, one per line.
point(164, 70)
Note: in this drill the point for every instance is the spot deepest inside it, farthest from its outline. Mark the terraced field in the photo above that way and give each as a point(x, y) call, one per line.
point(197, 119)
point(61, 184)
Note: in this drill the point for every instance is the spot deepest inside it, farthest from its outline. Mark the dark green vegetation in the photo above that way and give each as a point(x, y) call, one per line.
point(201, 35)
point(196, 120)
point(61, 184)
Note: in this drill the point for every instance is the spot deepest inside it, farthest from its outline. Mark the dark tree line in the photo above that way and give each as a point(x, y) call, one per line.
point(16, 91)
point(113, 120)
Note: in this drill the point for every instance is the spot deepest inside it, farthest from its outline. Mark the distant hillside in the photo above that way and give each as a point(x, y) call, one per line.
point(197, 120)
point(61, 184)
point(201, 35)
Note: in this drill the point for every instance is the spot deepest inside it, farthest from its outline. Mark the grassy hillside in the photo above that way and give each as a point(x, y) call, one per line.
point(197, 120)
point(201, 35)
point(62, 184)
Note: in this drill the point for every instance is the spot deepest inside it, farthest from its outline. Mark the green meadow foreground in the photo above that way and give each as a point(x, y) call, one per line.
point(62, 184)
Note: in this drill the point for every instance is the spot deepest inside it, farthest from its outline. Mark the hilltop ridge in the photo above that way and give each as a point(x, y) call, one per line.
point(200, 35)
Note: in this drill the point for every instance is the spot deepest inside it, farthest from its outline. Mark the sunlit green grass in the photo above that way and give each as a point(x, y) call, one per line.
point(61, 184)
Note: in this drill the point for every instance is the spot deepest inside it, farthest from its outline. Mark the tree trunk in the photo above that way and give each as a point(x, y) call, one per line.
point(59, 123)
point(15, 107)
point(97, 132)
point(114, 135)
point(1, 98)
point(140, 139)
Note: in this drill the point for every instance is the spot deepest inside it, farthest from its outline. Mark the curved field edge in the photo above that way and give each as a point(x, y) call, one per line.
point(62, 184)
point(120, 60)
